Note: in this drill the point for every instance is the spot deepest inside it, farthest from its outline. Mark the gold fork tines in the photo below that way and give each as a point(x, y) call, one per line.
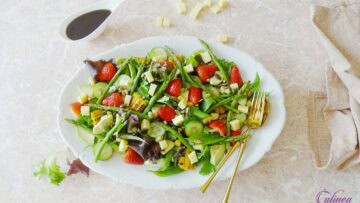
point(257, 110)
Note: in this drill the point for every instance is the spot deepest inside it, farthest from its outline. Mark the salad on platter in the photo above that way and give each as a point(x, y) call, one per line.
point(165, 109)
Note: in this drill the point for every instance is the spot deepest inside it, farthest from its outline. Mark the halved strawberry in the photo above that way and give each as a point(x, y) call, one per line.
point(106, 73)
point(195, 95)
point(166, 113)
point(174, 88)
point(235, 76)
point(206, 71)
point(131, 157)
point(218, 126)
point(234, 133)
point(114, 99)
point(75, 108)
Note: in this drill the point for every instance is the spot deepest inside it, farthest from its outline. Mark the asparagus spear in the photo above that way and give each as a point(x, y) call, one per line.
point(224, 74)
point(160, 91)
point(132, 70)
point(178, 65)
point(177, 135)
point(138, 76)
point(116, 109)
point(113, 80)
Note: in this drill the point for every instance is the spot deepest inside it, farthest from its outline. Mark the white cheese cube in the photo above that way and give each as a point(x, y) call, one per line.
point(166, 22)
point(222, 38)
point(181, 7)
point(207, 3)
point(243, 109)
point(85, 110)
point(127, 100)
point(123, 146)
point(194, 13)
point(235, 125)
point(159, 21)
point(178, 120)
point(91, 81)
point(205, 56)
point(192, 157)
point(152, 89)
point(145, 124)
point(199, 147)
point(234, 87)
point(182, 104)
point(215, 8)
point(223, 4)
point(149, 76)
point(163, 144)
point(189, 68)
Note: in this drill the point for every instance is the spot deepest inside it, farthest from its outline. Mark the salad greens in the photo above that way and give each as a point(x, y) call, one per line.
point(48, 167)
point(163, 109)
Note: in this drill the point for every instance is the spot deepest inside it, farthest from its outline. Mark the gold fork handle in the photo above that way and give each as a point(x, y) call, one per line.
point(243, 146)
point(207, 183)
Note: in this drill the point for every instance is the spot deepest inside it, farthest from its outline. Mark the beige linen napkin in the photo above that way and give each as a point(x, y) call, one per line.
point(334, 124)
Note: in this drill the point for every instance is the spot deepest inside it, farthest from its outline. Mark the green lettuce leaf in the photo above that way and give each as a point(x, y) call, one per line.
point(49, 168)
point(206, 167)
point(172, 170)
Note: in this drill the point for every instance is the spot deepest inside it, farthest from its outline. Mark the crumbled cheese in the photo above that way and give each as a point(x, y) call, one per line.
point(159, 21)
point(222, 38)
point(123, 146)
point(223, 4)
point(163, 144)
point(235, 125)
point(182, 104)
point(243, 109)
point(194, 13)
point(192, 157)
point(215, 8)
point(178, 120)
point(145, 124)
point(152, 89)
point(85, 110)
point(205, 56)
point(166, 22)
point(127, 100)
point(189, 68)
point(149, 76)
point(181, 7)
point(234, 87)
point(91, 81)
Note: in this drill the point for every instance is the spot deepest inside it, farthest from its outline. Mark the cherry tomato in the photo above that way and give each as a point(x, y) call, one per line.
point(195, 95)
point(114, 99)
point(131, 157)
point(206, 71)
point(166, 113)
point(235, 76)
point(234, 133)
point(219, 126)
point(75, 108)
point(174, 88)
point(106, 73)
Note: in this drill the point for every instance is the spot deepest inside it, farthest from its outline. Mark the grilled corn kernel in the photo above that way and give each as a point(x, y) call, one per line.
point(177, 143)
point(137, 103)
point(95, 116)
point(184, 162)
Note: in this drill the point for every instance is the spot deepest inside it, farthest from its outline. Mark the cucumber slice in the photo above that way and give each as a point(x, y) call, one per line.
point(85, 135)
point(99, 89)
point(156, 130)
point(241, 117)
point(158, 54)
point(86, 89)
point(105, 153)
point(193, 128)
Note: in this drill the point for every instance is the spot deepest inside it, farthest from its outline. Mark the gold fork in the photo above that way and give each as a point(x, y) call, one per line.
point(257, 116)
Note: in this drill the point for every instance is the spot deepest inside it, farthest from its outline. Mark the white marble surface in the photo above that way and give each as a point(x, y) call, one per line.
point(35, 63)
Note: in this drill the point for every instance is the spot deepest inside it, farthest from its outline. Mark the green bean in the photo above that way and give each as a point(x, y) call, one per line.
point(118, 126)
point(113, 80)
point(178, 65)
point(177, 135)
point(228, 117)
point(215, 60)
point(132, 70)
point(116, 109)
point(138, 76)
point(160, 91)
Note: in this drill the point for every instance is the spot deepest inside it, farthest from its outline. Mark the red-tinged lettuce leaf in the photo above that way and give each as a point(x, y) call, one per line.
point(148, 149)
point(77, 166)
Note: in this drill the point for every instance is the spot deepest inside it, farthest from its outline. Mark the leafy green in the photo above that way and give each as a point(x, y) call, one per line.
point(255, 85)
point(206, 104)
point(143, 89)
point(167, 161)
point(194, 58)
point(196, 112)
point(206, 167)
point(172, 170)
point(82, 121)
point(226, 64)
point(48, 167)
